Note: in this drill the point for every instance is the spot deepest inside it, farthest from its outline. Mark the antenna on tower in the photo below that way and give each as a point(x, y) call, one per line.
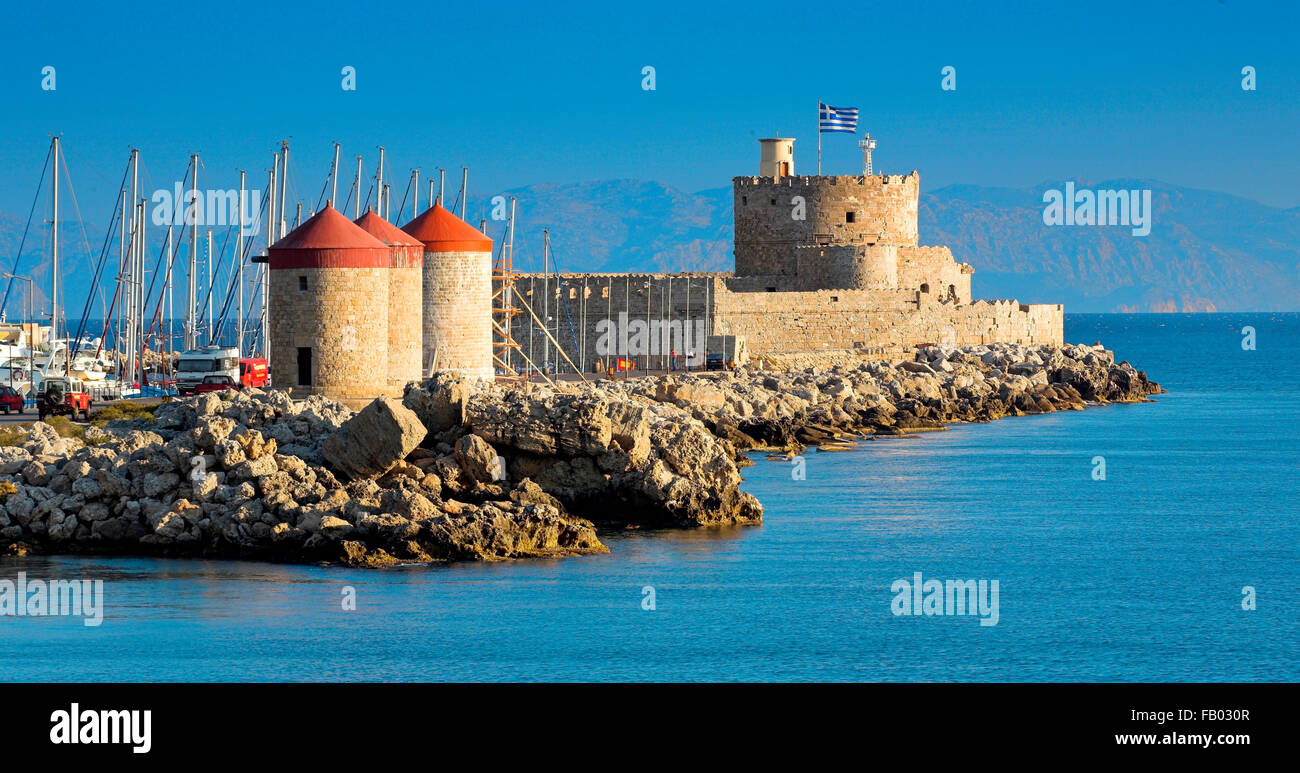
point(867, 144)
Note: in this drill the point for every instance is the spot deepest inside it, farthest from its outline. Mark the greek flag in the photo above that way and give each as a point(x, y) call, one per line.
point(838, 119)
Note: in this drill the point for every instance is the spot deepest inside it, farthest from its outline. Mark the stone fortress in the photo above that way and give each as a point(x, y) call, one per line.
point(824, 264)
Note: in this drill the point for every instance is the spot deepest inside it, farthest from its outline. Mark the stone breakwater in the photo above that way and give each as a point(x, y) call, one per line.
point(791, 409)
point(462, 470)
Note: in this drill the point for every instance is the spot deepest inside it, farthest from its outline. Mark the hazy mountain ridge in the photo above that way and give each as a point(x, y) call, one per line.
point(616, 225)
point(1207, 251)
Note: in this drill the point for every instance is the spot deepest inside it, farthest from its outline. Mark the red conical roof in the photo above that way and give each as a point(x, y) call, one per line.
point(406, 250)
point(385, 231)
point(441, 231)
point(328, 240)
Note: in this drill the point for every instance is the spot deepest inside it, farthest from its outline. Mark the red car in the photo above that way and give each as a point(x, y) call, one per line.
point(215, 384)
point(10, 400)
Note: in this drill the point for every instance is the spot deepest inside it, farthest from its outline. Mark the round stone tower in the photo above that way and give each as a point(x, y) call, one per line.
point(822, 231)
point(328, 308)
point(457, 293)
point(405, 291)
point(846, 267)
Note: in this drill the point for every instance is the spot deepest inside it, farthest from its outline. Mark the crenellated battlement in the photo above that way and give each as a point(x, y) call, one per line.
point(774, 216)
point(792, 181)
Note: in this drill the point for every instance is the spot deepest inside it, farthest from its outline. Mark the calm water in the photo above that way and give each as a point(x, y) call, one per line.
point(1137, 577)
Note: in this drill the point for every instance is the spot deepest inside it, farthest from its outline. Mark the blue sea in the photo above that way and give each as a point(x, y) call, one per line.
point(1137, 577)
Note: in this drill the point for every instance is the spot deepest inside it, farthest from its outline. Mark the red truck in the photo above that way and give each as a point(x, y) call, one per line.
point(252, 373)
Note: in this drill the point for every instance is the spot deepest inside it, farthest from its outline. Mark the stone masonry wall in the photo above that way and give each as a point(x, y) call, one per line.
point(837, 210)
point(457, 316)
point(342, 317)
point(778, 322)
point(933, 270)
point(785, 322)
point(405, 326)
point(861, 267)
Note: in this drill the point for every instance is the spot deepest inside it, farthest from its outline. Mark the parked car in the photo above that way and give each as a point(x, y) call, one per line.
point(61, 395)
point(713, 361)
point(215, 384)
point(10, 400)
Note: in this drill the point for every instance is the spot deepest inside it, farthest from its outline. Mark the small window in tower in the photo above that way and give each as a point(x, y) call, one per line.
point(848, 217)
point(925, 288)
point(774, 202)
point(302, 284)
point(744, 201)
point(835, 299)
point(771, 289)
point(304, 366)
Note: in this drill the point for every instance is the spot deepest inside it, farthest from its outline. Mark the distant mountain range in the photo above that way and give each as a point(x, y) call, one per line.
point(1206, 251)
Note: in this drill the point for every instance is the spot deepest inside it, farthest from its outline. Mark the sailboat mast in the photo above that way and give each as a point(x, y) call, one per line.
point(284, 180)
point(270, 209)
point(464, 190)
point(239, 270)
point(119, 328)
point(415, 193)
point(54, 249)
point(191, 275)
point(546, 297)
point(261, 274)
point(379, 184)
point(139, 295)
point(209, 289)
point(171, 296)
point(129, 289)
point(334, 178)
point(356, 202)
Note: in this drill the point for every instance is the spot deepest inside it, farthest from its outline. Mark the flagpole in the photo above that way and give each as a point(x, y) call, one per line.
point(819, 137)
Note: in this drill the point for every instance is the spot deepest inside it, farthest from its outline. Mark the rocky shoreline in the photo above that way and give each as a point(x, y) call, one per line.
point(460, 470)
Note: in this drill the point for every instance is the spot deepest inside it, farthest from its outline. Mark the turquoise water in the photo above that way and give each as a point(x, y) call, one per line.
point(1135, 577)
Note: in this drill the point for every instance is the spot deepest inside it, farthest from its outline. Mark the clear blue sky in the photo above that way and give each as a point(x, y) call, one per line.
point(551, 92)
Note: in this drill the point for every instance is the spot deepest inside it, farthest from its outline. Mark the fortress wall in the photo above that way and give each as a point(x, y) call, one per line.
point(866, 266)
point(935, 270)
point(684, 299)
point(836, 210)
point(781, 321)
